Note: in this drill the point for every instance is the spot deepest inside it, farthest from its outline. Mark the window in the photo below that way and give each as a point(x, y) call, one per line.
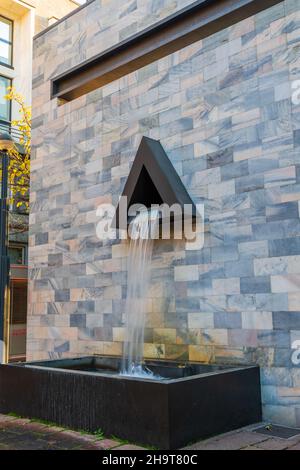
point(6, 37)
point(52, 20)
point(17, 254)
point(18, 319)
point(5, 105)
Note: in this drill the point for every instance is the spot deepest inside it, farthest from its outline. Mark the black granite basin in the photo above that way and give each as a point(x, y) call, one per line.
point(189, 402)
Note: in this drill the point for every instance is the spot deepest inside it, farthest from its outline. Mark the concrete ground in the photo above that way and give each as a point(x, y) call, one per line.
point(246, 439)
point(24, 434)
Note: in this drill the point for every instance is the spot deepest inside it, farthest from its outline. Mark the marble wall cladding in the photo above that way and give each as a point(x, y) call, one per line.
point(223, 110)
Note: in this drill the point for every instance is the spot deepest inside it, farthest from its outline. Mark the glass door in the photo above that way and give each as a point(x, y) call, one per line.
point(17, 323)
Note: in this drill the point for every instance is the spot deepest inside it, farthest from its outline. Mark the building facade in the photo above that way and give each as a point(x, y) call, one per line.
point(226, 111)
point(19, 21)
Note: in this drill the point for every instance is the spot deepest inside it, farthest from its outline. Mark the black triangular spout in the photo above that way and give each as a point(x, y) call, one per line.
point(153, 180)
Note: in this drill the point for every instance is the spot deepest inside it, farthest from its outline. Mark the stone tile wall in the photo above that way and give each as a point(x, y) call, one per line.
point(223, 111)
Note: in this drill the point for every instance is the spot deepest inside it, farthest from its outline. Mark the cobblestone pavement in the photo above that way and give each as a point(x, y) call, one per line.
point(24, 434)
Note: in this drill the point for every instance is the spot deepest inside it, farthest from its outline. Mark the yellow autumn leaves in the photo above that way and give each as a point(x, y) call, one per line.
point(19, 166)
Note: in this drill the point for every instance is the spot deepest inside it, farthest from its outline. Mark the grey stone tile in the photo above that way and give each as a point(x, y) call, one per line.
point(78, 320)
point(255, 285)
point(228, 320)
point(224, 253)
point(284, 247)
point(241, 268)
point(220, 158)
point(62, 295)
point(284, 320)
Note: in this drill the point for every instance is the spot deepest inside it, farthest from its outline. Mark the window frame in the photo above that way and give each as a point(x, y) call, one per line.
point(11, 44)
point(2, 120)
point(23, 247)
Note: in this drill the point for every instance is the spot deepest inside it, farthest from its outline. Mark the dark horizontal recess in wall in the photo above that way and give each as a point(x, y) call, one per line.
point(197, 21)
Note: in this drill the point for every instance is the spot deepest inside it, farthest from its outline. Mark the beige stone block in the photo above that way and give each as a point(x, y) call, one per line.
point(157, 290)
point(37, 332)
point(164, 335)
point(154, 319)
point(112, 292)
point(223, 354)
point(87, 347)
point(186, 273)
point(294, 301)
point(94, 268)
point(112, 266)
point(103, 306)
point(287, 283)
point(91, 217)
point(257, 320)
point(154, 351)
point(290, 196)
point(273, 43)
point(35, 356)
point(189, 336)
point(201, 320)
point(267, 266)
point(226, 188)
point(246, 117)
point(111, 348)
point(36, 345)
point(289, 392)
point(214, 337)
point(293, 263)
point(42, 296)
point(62, 320)
point(38, 308)
point(280, 177)
point(66, 333)
point(120, 251)
point(201, 353)
point(246, 154)
point(296, 375)
point(78, 294)
point(177, 352)
point(226, 286)
point(203, 147)
point(33, 320)
point(242, 27)
point(77, 197)
point(119, 334)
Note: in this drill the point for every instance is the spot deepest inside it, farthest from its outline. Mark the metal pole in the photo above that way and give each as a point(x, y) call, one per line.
point(4, 259)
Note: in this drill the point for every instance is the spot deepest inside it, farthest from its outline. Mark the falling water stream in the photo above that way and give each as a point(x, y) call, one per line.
point(138, 281)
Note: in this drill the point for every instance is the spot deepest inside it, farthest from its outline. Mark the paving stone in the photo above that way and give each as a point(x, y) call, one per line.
point(37, 428)
point(273, 444)
point(129, 447)
point(89, 438)
point(26, 439)
point(6, 418)
point(4, 446)
point(105, 444)
point(229, 442)
point(251, 448)
point(296, 447)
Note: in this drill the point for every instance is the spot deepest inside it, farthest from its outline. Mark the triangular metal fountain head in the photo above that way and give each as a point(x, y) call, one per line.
point(153, 180)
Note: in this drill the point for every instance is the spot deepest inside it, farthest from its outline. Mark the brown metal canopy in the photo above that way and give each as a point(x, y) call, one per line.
point(197, 21)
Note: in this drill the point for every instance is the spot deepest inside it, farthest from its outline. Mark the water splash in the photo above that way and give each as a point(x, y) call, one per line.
point(138, 281)
point(141, 371)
